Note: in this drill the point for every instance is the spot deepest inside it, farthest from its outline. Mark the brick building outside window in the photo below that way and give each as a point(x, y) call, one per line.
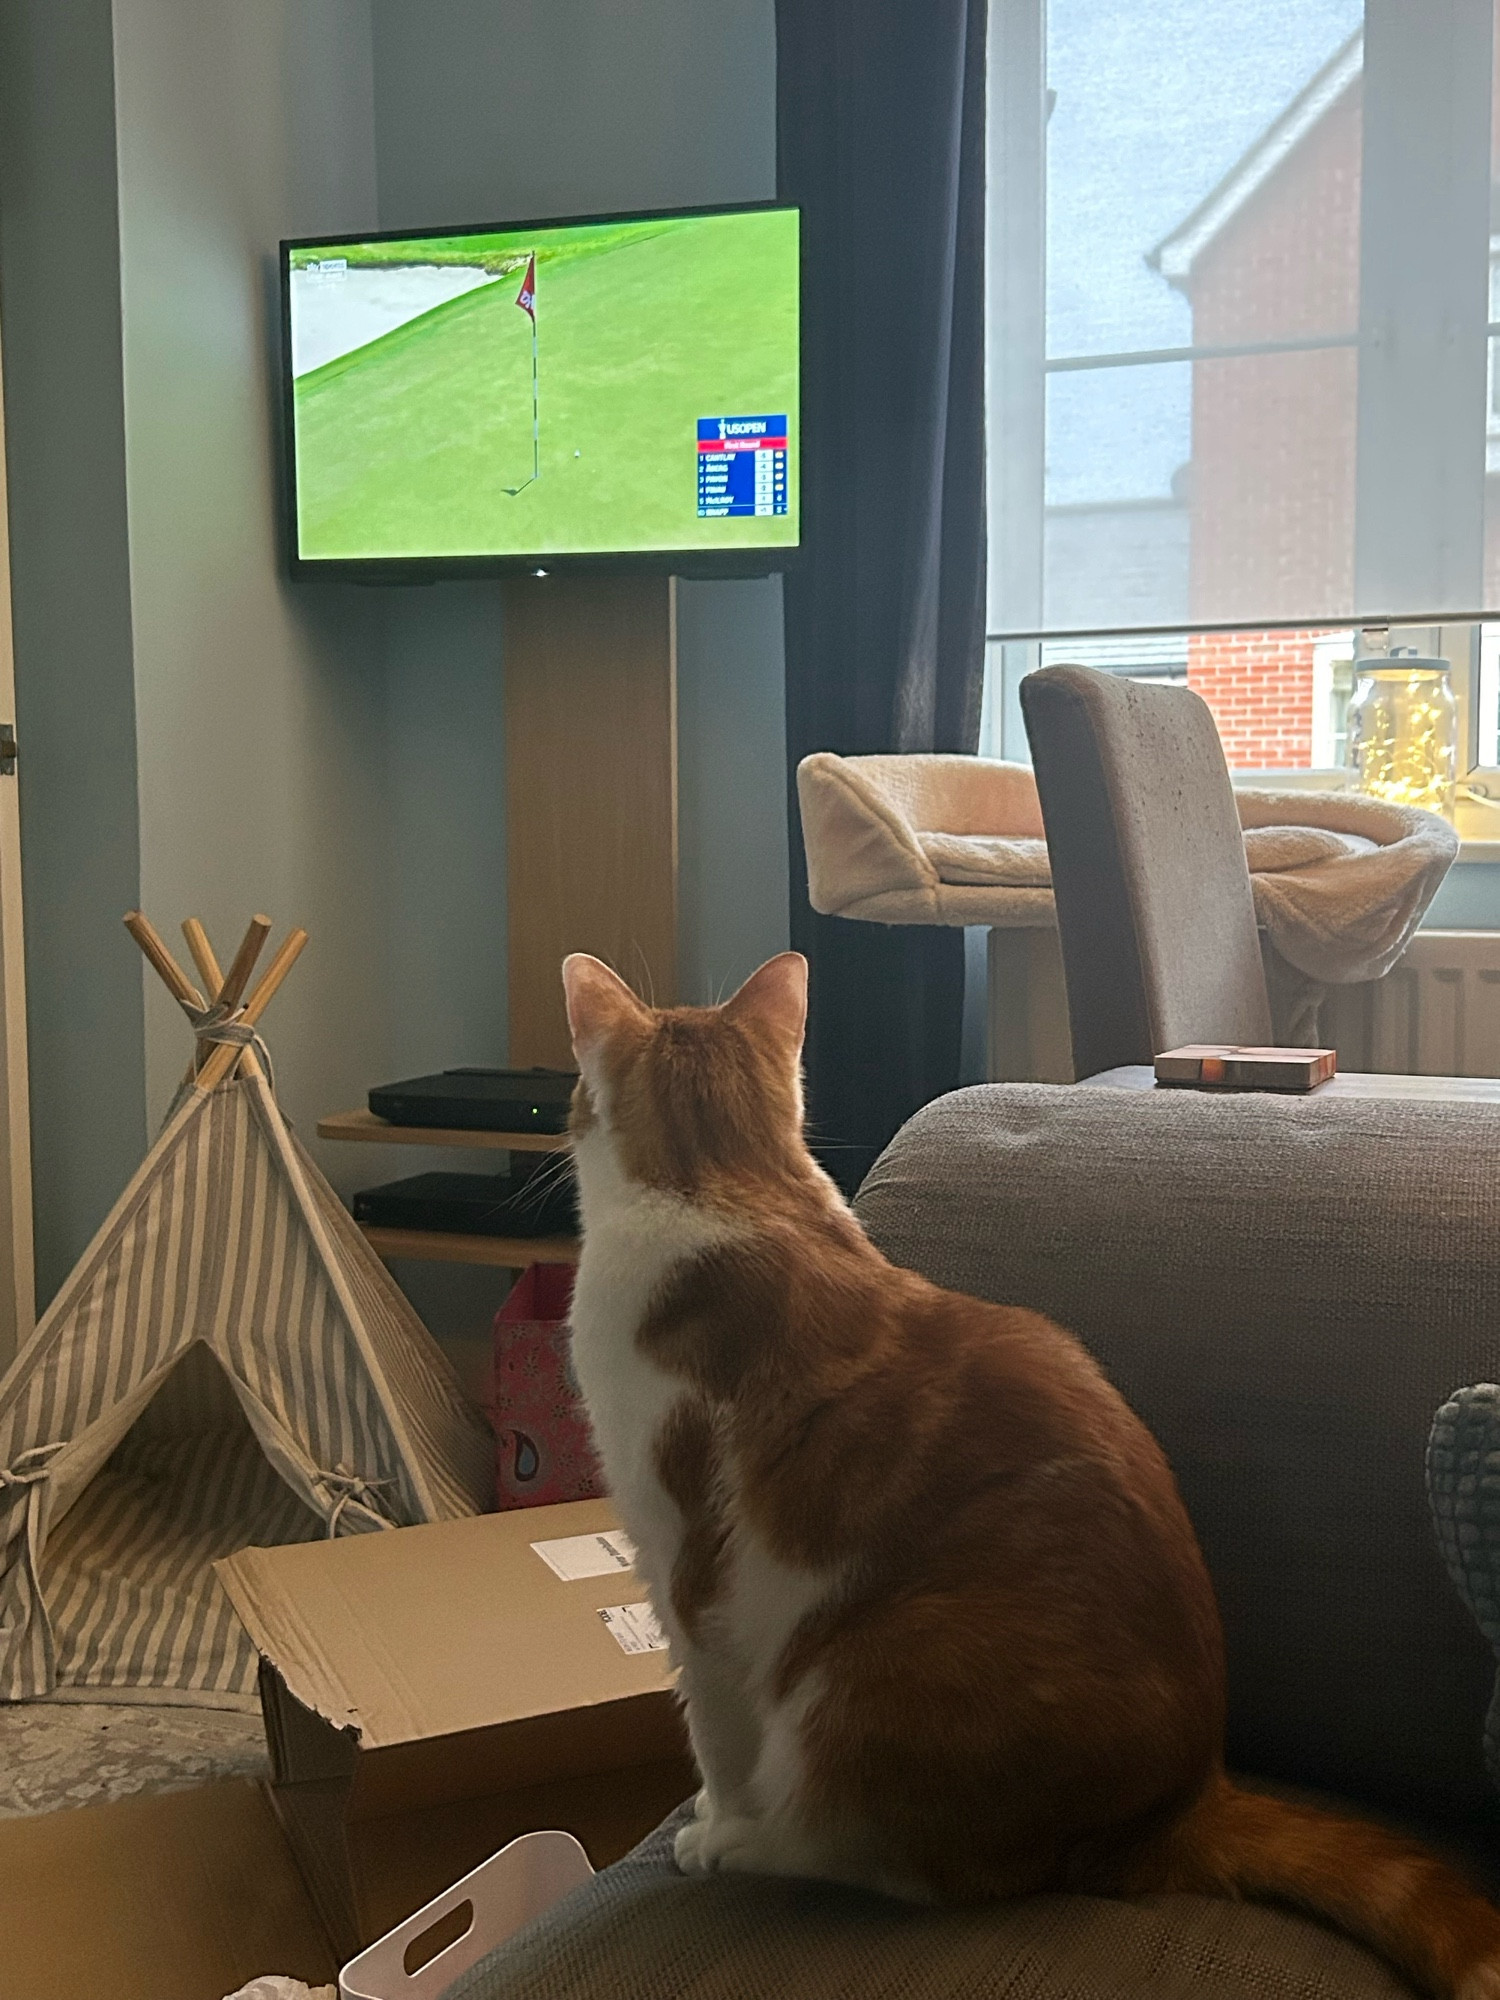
point(1272, 254)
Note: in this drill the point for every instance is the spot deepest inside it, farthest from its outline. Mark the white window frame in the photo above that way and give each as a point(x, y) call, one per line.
point(1492, 381)
point(1488, 702)
point(1426, 348)
point(1328, 655)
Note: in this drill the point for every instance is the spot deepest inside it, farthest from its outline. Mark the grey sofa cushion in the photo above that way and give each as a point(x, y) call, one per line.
point(1285, 1290)
point(642, 1931)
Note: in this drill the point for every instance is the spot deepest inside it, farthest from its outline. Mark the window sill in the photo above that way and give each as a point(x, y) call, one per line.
point(1478, 831)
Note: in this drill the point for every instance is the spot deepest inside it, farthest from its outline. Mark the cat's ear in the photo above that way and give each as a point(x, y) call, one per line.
point(598, 1000)
point(777, 995)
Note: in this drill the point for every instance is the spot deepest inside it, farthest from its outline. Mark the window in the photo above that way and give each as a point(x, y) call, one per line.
point(1332, 685)
point(1244, 317)
point(1487, 745)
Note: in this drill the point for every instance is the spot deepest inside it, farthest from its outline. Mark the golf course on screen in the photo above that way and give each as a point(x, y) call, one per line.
point(428, 424)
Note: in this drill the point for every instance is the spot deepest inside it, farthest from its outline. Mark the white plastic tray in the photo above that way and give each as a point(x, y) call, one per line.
point(502, 1894)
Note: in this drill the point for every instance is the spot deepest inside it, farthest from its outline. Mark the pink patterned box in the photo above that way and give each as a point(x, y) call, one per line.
point(545, 1449)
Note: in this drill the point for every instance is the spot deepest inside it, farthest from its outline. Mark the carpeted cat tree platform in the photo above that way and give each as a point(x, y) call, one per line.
point(1340, 880)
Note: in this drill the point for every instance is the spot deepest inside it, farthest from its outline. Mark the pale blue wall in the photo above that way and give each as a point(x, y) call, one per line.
point(75, 708)
point(263, 742)
point(446, 802)
point(488, 110)
point(196, 736)
point(732, 800)
point(491, 109)
point(201, 735)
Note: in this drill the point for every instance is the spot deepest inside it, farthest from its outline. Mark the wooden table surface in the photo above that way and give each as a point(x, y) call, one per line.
point(451, 1246)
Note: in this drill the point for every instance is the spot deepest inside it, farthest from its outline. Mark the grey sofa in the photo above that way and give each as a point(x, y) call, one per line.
point(1286, 1290)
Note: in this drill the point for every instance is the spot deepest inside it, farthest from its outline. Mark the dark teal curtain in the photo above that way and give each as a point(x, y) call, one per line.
point(881, 142)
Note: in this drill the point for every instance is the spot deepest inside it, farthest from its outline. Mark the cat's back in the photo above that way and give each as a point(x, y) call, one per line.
point(952, 1451)
point(848, 1307)
point(880, 1403)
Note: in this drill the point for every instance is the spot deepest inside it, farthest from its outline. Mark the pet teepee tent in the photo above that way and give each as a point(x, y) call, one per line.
point(228, 1364)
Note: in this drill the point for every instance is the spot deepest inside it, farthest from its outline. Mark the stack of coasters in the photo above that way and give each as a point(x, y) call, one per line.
point(1210, 1066)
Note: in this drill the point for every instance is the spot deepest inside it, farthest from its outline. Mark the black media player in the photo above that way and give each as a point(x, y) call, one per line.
point(480, 1100)
point(540, 1202)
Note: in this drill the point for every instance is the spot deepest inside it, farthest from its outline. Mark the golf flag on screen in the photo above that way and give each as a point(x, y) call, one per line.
point(526, 297)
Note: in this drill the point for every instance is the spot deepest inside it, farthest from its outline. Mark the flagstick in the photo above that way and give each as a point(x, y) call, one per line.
point(536, 417)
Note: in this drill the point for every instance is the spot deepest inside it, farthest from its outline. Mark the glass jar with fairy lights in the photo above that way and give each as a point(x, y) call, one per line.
point(1403, 730)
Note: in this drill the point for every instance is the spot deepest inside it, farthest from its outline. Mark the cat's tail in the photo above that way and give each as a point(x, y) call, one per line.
point(1390, 1893)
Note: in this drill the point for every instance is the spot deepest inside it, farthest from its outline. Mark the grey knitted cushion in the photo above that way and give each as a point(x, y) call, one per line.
point(642, 1931)
point(1285, 1289)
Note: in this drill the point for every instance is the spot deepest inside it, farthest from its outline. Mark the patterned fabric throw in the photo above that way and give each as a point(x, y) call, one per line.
point(1463, 1489)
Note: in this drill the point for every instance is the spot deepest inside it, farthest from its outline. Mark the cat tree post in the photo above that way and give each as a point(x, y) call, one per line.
point(591, 792)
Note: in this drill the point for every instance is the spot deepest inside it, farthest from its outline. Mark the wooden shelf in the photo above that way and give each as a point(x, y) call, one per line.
point(367, 1129)
point(445, 1246)
point(441, 1246)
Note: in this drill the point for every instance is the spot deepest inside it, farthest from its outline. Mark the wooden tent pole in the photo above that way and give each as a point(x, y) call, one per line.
point(173, 977)
point(203, 956)
point(238, 976)
point(215, 981)
point(208, 972)
point(225, 1055)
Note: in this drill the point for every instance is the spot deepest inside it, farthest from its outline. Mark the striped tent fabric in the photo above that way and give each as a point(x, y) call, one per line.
point(229, 1364)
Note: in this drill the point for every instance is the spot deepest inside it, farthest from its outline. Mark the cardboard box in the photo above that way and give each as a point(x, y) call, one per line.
point(177, 1896)
point(432, 1692)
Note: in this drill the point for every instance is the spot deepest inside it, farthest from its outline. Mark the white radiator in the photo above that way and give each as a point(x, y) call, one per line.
point(1437, 1013)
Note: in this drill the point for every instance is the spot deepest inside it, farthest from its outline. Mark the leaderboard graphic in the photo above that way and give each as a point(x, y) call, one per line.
point(741, 466)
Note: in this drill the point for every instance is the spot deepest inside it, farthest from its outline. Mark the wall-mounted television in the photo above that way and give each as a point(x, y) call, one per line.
point(620, 389)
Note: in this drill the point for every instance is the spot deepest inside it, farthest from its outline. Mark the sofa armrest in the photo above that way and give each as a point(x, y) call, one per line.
point(1285, 1290)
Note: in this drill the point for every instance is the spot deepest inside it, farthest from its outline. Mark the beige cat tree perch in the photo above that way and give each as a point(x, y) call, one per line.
point(1340, 882)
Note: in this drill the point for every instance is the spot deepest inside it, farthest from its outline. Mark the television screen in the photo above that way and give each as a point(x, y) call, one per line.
point(609, 387)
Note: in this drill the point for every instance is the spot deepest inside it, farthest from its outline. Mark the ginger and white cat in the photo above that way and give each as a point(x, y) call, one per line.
point(942, 1624)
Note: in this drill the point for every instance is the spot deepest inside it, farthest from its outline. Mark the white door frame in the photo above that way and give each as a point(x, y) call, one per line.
point(17, 1267)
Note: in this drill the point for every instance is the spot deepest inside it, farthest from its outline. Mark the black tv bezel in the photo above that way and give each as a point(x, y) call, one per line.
point(747, 562)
